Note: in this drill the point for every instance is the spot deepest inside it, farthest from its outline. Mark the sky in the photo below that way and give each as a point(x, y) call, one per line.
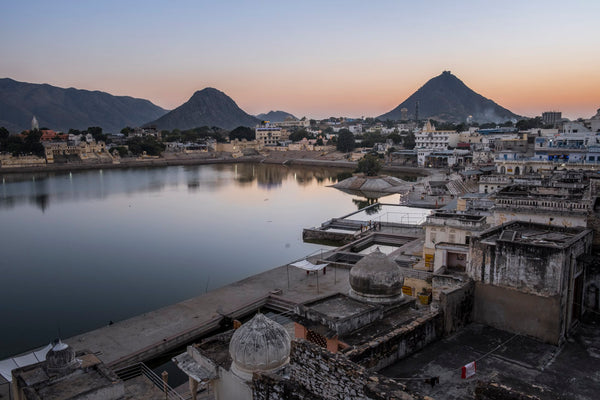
point(310, 58)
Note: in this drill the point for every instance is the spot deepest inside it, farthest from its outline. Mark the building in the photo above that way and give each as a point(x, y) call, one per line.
point(404, 114)
point(558, 206)
point(447, 239)
point(551, 117)
point(228, 361)
point(529, 278)
point(66, 375)
point(267, 134)
point(430, 138)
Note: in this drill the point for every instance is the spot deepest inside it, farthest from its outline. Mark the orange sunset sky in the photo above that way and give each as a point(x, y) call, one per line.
point(311, 58)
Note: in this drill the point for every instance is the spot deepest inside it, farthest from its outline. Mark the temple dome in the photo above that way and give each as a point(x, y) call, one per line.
point(260, 344)
point(376, 279)
point(61, 358)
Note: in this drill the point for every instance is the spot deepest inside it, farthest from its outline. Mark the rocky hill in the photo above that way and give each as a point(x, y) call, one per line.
point(447, 98)
point(61, 109)
point(275, 116)
point(207, 107)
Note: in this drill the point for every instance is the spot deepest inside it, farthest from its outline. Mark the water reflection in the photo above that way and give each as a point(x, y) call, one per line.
point(139, 239)
point(362, 203)
point(44, 189)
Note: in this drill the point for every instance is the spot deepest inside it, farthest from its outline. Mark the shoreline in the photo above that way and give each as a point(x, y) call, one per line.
point(167, 162)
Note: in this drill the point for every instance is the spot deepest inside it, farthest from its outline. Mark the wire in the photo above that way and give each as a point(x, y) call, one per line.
point(460, 368)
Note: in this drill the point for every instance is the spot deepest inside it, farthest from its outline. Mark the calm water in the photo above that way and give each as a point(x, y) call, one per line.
point(79, 250)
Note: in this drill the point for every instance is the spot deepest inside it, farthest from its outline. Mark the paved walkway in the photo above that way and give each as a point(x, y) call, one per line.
point(115, 343)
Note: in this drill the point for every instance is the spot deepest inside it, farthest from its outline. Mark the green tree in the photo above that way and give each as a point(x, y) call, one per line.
point(149, 144)
point(396, 138)
point(370, 165)
point(409, 141)
point(127, 130)
point(345, 141)
point(300, 134)
point(242, 132)
point(96, 133)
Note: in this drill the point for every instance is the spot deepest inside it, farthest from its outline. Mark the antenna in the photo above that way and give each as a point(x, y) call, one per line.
point(417, 111)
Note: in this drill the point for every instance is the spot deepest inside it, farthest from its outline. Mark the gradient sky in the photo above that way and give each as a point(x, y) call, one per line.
point(310, 58)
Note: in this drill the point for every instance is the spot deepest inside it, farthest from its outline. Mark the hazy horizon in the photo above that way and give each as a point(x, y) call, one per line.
point(313, 59)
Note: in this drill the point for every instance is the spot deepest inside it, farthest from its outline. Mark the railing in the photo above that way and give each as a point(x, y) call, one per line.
point(139, 369)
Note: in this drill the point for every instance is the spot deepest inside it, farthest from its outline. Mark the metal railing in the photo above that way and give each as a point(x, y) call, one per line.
point(139, 369)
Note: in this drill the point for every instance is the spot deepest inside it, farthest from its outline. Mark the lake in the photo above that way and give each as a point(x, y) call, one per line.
point(81, 249)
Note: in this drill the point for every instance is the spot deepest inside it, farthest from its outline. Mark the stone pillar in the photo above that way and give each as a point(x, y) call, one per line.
point(193, 388)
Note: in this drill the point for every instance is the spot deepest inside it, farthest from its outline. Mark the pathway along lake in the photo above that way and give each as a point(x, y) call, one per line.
point(81, 249)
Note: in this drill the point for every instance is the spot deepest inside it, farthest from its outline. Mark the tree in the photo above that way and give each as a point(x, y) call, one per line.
point(345, 141)
point(242, 132)
point(370, 165)
point(149, 144)
point(300, 134)
point(127, 130)
point(96, 133)
point(395, 137)
point(409, 141)
point(3, 133)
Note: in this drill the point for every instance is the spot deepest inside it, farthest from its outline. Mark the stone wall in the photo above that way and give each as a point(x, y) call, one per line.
point(457, 306)
point(275, 387)
point(398, 343)
point(319, 374)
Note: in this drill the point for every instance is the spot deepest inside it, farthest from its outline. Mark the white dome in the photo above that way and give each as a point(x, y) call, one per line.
point(260, 344)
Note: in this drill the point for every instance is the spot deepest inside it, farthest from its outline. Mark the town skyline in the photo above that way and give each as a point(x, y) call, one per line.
point(311, 60)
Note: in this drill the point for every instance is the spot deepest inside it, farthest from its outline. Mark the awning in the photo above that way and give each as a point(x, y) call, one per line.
point(6, 366)
point(308, 266)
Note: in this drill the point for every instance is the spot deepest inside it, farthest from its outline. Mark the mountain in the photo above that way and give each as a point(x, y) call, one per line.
point(275, 116)
point(207, 107)
point(62, 109)
point(447, 98)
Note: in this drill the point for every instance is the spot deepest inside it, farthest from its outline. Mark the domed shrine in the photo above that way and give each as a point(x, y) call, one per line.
point(61, 358)
point(260, 344)
point(376, 279)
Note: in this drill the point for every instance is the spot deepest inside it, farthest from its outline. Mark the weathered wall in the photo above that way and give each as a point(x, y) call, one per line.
point(275, 387)
point(528, 268)
point(541, 217)
point(399, 343)
point(518, 312)
point(457, 306)
point(319, 374)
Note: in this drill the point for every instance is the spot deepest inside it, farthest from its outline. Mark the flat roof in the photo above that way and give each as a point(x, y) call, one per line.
point(519, 362)
point(339, 306)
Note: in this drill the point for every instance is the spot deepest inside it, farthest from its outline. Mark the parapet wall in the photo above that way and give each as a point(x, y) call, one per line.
point(398, 343)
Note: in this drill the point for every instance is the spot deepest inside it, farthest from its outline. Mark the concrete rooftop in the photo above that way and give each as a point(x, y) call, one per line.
point(571, 371)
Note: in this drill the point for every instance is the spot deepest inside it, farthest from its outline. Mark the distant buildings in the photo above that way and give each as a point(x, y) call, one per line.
point(267, 134)
point(551, 117)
